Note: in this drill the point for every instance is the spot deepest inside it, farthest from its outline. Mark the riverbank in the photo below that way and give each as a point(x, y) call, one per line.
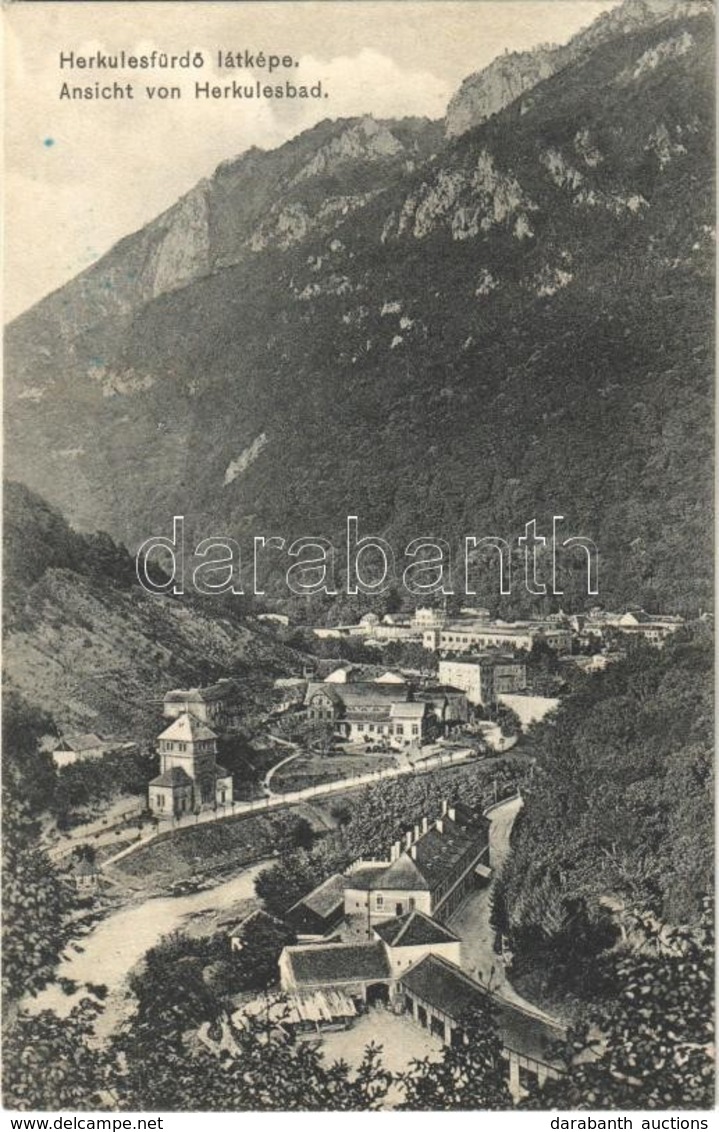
point(108, 952)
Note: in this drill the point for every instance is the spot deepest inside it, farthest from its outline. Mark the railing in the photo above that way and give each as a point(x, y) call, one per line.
point(263, 805)
point(94, 829)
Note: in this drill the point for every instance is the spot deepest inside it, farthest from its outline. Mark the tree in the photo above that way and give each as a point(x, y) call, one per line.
point(620, 802)
point(469, 1075)
point(36, 902)
point(51, 1063)
point(341, 813)
point(257, 1069)
point(509, 722)
point(656, 1049)
point(27, 770)
point(254, 966)
point(301, 834)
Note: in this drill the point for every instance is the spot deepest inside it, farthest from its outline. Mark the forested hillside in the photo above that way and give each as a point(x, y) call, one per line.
point(448, 337)
point(84, 643)
point(618, 820)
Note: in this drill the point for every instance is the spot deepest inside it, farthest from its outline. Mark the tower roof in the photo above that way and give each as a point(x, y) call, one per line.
point(187, 729)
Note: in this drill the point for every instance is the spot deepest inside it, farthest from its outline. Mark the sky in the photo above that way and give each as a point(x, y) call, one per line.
point(79, 175)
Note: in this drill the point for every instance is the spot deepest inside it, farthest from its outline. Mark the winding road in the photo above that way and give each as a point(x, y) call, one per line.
point(472, 922)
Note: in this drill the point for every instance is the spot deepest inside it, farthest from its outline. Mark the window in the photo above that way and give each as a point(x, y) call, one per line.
point(399, 729)
point(415, 729)
point(379, 900)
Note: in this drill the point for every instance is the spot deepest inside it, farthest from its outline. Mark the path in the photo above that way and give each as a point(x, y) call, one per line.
point(472, 922)
point(268, 777)
point(262, 805)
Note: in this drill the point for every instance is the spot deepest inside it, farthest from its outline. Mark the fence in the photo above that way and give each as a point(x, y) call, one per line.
point(102, 825)
point(262, 805)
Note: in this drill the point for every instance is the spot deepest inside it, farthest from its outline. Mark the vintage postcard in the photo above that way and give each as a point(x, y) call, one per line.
point(358, 564)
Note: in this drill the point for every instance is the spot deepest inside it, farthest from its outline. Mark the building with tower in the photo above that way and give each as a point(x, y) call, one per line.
point(190, 777)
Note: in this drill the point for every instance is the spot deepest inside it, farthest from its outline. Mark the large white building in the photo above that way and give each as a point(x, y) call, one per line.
point(469, 636)
point(485, 678)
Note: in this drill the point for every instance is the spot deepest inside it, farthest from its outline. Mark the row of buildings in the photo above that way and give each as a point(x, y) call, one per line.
point(400, 714)
point(474, 629)
point(389, 710)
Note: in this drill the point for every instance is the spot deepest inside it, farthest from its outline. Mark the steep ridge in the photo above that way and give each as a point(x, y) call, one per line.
point(84, 642)
point(516, 73)
point(497, 331)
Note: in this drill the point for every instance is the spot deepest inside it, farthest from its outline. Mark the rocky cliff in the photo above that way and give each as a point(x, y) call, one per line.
point(517, 73)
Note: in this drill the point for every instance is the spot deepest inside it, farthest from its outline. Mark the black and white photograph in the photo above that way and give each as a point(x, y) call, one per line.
point(358, 562)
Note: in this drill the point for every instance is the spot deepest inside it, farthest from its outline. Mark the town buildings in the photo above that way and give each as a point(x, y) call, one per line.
point(319, 913)
point(383, 709)
point(437, 995)
point(409, 958)
point(72, 748)
point(432, 871)
point(474, 635)
point(653, 628)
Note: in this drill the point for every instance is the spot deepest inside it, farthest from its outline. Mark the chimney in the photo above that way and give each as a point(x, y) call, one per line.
point(408, 838)
point(396, 850)
point(452, 813)
point(439, 825)
point(445, 804)
point(413, 852)
point(416, 833)
point(425, 825)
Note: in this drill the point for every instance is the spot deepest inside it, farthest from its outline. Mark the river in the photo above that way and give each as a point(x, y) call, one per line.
point(113, 947)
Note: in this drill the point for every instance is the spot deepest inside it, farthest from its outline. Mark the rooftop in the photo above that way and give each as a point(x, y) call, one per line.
point(187, 729)
point(79, 742)
point(390, 678)
point(325, 898)
point(408, 710)
point(412, 930)
point(404, 875)
point(259, 915)
point(327, 964)
point(175, 776)
point(444, 986)
point(85, 868)
point(436, 854)
point(367, 875)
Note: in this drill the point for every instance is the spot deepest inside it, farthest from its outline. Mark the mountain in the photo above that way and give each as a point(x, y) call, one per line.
point(515, 73)
point(86, 644)
point(448, 336)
